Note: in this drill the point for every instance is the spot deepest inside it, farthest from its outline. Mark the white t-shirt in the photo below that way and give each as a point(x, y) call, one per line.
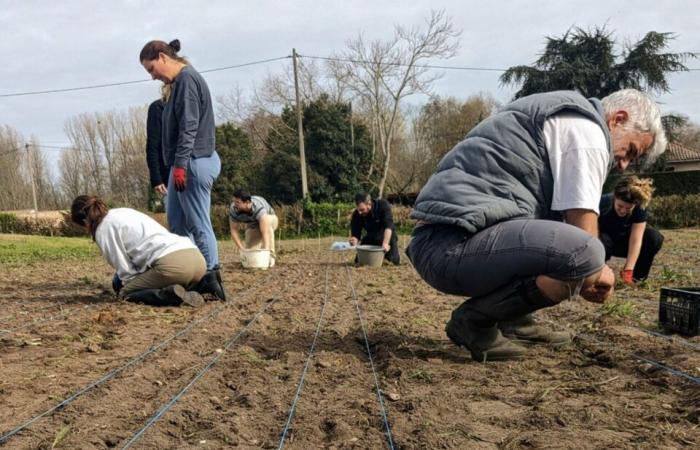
point(579, 159)
point(131, 241)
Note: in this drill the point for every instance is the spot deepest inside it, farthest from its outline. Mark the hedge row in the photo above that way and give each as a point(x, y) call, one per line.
point(10, 223)
point(312, 219)
point(666, 183)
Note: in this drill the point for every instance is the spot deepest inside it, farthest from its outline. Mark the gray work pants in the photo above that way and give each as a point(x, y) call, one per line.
point(456, 263)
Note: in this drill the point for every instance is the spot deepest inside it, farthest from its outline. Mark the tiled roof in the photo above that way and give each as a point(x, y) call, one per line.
point(676, 152)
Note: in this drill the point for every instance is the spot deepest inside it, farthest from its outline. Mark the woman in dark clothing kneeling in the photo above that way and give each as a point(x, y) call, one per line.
point(623, 227)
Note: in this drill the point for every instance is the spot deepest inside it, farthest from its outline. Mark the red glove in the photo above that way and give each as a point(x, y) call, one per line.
point(180, 178)
point(626, 276)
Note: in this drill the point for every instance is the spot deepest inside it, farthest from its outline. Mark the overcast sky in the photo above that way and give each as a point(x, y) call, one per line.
point(72, 43)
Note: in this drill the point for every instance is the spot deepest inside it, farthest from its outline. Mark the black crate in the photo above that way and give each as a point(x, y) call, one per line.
point(679, 310)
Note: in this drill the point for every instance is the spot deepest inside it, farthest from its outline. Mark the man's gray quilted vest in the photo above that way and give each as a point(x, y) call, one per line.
point(500, 171)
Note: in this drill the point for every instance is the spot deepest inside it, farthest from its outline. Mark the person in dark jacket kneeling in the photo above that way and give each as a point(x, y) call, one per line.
point(377, 221)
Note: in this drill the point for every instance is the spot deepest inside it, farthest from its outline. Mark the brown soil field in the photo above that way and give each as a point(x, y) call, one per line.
point(62, 334)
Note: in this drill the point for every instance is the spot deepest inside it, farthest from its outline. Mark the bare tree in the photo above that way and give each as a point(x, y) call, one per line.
point(107, 156)
point(443, 122)
point(72, 177)
point(82, 131)
point(383, 73)
point(38, 170)
point(14, 185)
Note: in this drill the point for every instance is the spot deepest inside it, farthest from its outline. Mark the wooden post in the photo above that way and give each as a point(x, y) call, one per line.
point(300, 128)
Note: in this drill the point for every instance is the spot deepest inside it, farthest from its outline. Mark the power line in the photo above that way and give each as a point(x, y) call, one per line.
point(428, 66)
point(423, 66)
point(124, 83)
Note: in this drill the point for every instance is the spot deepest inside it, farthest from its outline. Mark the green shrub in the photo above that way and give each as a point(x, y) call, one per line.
point(666, 183)
point(8, 223)
point(309, 219)
point(675, 211)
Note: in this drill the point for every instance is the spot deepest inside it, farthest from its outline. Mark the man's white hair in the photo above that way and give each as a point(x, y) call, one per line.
point(644, 116)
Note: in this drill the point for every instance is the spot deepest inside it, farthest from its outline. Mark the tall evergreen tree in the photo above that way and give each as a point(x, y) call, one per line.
point(334, 162)
point(237, 165)
point(587, 61)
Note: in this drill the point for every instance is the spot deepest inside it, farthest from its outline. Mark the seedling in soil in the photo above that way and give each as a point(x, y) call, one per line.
point(421, 375)
point(672, 276)
point(623, 308)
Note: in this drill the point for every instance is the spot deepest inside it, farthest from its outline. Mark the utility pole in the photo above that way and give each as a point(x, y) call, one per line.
point(31, 175)
point(352, 130)
point(302, 154)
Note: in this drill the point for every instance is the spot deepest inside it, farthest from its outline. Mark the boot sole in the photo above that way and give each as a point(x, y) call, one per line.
point(525, 341)
point(193, 299)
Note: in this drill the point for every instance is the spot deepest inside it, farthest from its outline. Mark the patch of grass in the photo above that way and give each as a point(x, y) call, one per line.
point(21, 249)
point(421, 375)
point(421, 321)
point(619, 308)
point(669, 275)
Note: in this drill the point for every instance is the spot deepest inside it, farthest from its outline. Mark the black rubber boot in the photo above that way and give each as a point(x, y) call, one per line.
point(474, 323)
point(211, 284)
point(173, 295)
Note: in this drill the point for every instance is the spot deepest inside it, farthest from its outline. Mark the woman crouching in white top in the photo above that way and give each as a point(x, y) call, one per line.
point(155, 266)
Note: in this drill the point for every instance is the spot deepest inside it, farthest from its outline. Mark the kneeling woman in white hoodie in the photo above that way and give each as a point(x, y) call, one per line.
point(155, 266)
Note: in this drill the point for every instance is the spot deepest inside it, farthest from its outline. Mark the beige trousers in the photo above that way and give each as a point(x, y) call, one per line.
point(253, 236)
point(184, 267)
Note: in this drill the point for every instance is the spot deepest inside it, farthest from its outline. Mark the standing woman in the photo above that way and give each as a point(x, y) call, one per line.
point(189, 151)
point(152, 265)
point(623, 227)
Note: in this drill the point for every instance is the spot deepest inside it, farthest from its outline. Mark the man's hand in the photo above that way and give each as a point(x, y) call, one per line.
point(602, 289)
point(161, 189)
point(386, 247)
point(626, 275)
point(353, 241)
point(180, 178)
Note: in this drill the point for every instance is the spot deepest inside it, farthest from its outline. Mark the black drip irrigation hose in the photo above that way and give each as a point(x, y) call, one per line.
point(671, 370)
point(196, 378)
point(300, 385)
point(390, 440)
point(681, 341)
point(108, 376)
point(111, 374)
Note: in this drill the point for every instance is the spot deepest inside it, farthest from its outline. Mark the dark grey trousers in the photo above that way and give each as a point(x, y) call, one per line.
point(488, 262)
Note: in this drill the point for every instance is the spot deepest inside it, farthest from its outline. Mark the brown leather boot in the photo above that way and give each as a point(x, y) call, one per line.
point(527, 330)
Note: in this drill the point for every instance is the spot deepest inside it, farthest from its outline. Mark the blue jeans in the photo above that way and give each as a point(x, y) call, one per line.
point(188, 211)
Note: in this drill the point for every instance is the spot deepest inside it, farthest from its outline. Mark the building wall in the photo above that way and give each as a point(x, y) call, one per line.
point(684, 166)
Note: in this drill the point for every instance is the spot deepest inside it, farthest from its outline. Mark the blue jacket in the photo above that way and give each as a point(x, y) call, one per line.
point(188, 120)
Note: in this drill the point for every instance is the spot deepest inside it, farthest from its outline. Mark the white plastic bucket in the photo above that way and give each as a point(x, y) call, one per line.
point(255, 259)
point(370, 255)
